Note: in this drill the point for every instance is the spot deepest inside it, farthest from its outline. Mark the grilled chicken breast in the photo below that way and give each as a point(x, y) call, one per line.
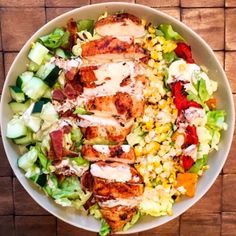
point(118, 153)
point(110, 48)
point(122, 24)
point(120, 104)
point(115, 190)
point(105, 134)
point(118, 216)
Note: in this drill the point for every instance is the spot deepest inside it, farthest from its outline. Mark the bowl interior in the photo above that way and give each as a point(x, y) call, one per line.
point(202, 54)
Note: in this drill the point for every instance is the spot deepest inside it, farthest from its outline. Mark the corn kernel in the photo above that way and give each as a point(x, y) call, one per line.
point(169, 46)
point(151, 30)
point(154, 55)
point(161, 40)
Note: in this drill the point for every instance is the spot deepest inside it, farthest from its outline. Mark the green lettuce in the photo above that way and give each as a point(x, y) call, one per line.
point(82, 111)
point(94, 210)
point(133, 221)
point(169, 33)
point(170, 56)
point(67, 193)
point(56, 39)
point(216, 120)
point(136, 136)
point(85, 25)
point(105, 228)
point(199, 164)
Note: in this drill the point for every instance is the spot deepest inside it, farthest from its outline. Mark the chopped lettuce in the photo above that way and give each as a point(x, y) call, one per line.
point(215, 139)
point(56, 39)
point(67, 193)
point(170, 56)
point(136, 136)
point(202, 90)
point(216, 120)
point(133, 221)
point(80, 161)
point(105, 228)
point(85, 25)
point(82, 111)
point(95, 211)
point(199, 164)
point(169, 33)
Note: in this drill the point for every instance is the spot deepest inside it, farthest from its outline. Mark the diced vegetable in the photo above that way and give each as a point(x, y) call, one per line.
point(82, 111)
point(26, 140)
point(188, 181)
point(24, 78)
point(41, 180)
point(37, 53)
point(26, 161)
point(38, 106)
point(61, 53)
point(19, 108)
point(133, 221)
point(33, 66)
point(34, 88)
point(49, 113)
point(17, 94)
point(135, 137)
point(16, 128)
point(48, 73)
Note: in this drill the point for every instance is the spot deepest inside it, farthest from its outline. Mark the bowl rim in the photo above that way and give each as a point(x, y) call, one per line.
point(185, 28)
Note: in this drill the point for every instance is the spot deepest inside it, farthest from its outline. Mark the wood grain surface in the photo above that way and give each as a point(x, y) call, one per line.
point(215, 213)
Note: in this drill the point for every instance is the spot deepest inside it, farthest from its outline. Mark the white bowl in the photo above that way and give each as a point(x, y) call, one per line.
point(202, 54)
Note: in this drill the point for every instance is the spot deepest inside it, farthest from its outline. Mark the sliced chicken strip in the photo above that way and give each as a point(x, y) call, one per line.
point(118, 216)
point(110, 48)
point(120, 104)
point(118, 153)
point(122, 24)
point(115, 190)
point(105, 134)
point(119, 172)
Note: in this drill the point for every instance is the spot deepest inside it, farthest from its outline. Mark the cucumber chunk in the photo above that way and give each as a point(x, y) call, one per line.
point(28, 139)
point(37, 53)
point(16, 128)
point(49, 73)
point(24, 78)
point(26, 161)
point(34, 88)
point(19, 108)
point(17, 94)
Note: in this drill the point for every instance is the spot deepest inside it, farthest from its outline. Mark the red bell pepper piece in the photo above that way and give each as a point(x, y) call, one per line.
point(190, 136)
point(184, 51)
point(180, 99)
point(187, 162)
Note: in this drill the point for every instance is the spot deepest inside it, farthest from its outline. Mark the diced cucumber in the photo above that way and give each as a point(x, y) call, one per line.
point(19, 108)
point(41, 180)
point(27, 160)
point(49, 73)
point(28, 139)
point(24, 78)
point(37, 53)
point(34, 123)
point(38, 107)
point(34, 88)
point(17, 94)
point(16, 128)
point(49, 113)
point(61, 53)
point(32, 66)
point(48, 94)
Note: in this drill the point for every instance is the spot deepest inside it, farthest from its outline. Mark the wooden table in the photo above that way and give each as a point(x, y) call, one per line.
point(215, 213)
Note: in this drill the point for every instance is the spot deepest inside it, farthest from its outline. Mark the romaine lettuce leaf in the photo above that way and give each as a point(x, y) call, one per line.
point(133, 221)
point(216, 120)
point(199, 164)
point(169, 33)
point(105, 228)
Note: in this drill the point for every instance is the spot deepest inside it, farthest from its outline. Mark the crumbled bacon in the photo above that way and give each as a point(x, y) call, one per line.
point(69, 91)
point(57, 143)
point(58, 95)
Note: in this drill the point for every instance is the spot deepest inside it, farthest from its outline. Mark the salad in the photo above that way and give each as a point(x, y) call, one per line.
point(114, 118)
